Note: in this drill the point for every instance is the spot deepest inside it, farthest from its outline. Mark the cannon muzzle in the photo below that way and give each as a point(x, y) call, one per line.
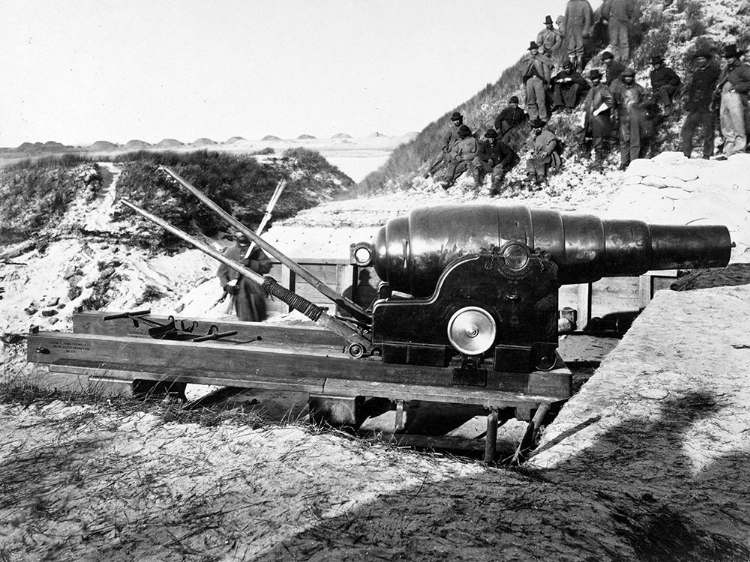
point(411, 252)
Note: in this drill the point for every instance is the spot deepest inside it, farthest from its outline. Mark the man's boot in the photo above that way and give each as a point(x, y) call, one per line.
point(598, 163)
point(476, 176)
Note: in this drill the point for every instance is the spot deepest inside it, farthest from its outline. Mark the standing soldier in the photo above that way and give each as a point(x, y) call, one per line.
point(629, 98)
point(549, 39)
point(598, 122)
point(536, 75)
point(579, 19)
point(494, 156)
point(734, 85)
point(619, 16)
point(249, 299)
point(449, 140)
point(698, 97)
point(664, 83)
point(462, 154)
point(612, 68)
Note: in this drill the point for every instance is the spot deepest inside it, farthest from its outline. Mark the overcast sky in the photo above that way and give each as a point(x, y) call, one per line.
point(78, 71)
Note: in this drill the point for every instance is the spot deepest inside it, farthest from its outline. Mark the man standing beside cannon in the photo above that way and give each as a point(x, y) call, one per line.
point(249, 299)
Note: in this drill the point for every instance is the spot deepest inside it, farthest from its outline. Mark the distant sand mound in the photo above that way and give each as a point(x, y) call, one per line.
point(169, 143)
point(306, 137)
point(49, 146)
point(137, 145)
point(341, 136)
point(204, 142)
point(270, 138)
point(102, 146)
point(232, 140)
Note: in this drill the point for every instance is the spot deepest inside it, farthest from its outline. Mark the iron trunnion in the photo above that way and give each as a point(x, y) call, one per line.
point(479, 284)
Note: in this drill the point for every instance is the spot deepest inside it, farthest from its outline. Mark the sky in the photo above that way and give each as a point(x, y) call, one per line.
point(78, 71)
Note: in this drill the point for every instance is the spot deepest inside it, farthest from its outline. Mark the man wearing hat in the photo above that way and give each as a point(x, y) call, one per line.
point(619, 15)
point(629, 98)
point(733, 85)
point(536, 75)
point(549, 39)
point(462, 154)
point(598, 124)
point(699, 92)
point(450, 138)
point(612, 68)
point(249, 300)
point(579, 20)
point(545, 153)
point(493, 156)
point(509, 118)
point(664, 83)
point(567, 88)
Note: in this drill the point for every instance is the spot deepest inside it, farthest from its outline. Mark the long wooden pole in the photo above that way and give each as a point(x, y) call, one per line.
point(317, 284)
point(358, 345)
point(269, 211)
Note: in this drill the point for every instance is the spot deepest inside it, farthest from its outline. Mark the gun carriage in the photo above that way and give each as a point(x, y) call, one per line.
point(466, 313)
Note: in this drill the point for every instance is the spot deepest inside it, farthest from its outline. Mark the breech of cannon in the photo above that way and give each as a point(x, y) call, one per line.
point(411, 252)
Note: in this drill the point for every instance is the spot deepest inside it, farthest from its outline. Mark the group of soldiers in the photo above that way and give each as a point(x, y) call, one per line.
point(616, 109)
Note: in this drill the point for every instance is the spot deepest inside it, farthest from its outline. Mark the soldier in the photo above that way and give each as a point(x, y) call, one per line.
point(629, 98)
point(549, 39)
point(567, 87)
point(509, 118)
point(545, 154)
point(449, 140)
point(733, 85)
point(619, 15)
point(579, 20)
point(249, 299)
point(612, 68)
point(664, 83)
point(493, 156)
point(598, 122)
point(462, 154)
point(536, 75)
point(698, 100)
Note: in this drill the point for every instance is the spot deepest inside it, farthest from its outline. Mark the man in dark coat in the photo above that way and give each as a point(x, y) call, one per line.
point(579, 20)
point(510, 118)
point(612, 68)
point(493, 156)
point(598, 124)
point(567, 88)
point(734, 86)
point(537, 71)
point(699, 92)
point(450, 138)
point(629, 99)
point(545, 153)
point(619, 16)
point(461, 156)
point(249, 300)
point(664, 83)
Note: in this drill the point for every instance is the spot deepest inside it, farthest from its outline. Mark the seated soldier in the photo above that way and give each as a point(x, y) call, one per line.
point(567, 88)
point(509, 118)
point(494, 156)
point(462, 154)
point(664, 84)
point(545, 154)
point(450, 138)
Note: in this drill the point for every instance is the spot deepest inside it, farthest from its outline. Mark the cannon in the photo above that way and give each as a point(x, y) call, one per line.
point(481, 281)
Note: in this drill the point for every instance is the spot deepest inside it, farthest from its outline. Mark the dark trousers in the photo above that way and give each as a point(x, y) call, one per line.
point(704, 120)
point(565, 95)
point(633, 136)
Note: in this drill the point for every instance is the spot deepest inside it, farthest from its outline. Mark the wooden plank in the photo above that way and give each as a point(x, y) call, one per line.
point(258, 361)
point(94, 323)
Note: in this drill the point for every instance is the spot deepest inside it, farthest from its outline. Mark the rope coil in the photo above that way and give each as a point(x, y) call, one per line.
point(271, 287)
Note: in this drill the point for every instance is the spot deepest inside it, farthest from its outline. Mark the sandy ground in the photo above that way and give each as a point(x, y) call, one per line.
point(645, 463)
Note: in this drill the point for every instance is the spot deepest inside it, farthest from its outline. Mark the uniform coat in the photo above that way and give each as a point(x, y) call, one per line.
point(629, 102)
point(249, 301)
point(579, 18)
point(734, 84)
point(620, 15)
point(698, 97)
point(599, 126)
point(567, 88)
point(536, 75)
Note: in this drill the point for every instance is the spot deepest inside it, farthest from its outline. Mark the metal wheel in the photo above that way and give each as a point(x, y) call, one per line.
point(472, 330)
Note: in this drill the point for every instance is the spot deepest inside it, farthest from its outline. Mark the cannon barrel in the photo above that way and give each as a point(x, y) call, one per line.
point(411, 252)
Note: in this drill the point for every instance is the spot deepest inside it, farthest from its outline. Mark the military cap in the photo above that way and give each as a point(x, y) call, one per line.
point(491, 134)
point(464, 131)
point(731, 52)
point(594, 74)
point(628, 72)
point(567, 64)
point(656, 59)
point(606, 55)
point(513, 99)
point(456, 116)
